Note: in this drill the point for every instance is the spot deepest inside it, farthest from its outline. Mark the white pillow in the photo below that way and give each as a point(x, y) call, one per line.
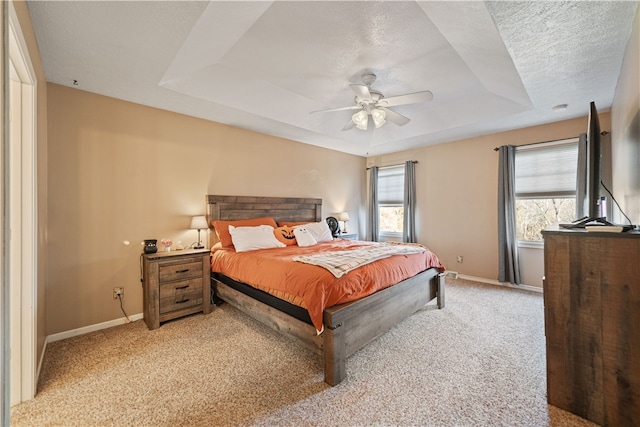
point(319, 230)
point(304, 237)
point(251, 238)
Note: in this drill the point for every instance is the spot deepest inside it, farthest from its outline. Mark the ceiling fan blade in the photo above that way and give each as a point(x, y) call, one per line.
point(394, 117)
point(352, 107)
point(410, 98)
point(361, 91)
point(350, 125)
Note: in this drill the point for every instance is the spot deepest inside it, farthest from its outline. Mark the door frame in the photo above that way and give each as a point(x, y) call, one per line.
point(20, 200)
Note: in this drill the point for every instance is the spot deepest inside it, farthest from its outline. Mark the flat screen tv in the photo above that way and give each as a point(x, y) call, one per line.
point(594, 175)
point(594, 167)
point(596, 214)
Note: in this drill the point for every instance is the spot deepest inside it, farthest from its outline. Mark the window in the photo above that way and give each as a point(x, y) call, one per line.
point(390, 200)
point(545, 186)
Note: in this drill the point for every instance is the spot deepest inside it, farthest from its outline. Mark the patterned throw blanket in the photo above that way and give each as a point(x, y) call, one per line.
point(340, 263)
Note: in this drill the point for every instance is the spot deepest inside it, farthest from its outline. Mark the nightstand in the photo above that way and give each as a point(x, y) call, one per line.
point(175, 284)
point(348, 236)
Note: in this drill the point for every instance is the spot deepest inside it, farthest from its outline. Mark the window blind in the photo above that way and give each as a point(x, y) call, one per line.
point(391, 185)
point(547, 172)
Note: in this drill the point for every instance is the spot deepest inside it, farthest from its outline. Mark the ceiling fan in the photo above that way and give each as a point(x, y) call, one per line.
point(372, 103)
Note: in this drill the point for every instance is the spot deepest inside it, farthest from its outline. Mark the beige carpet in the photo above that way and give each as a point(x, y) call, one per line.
point(478, 362)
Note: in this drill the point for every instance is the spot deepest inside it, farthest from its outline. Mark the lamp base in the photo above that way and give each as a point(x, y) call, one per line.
point(199, 244)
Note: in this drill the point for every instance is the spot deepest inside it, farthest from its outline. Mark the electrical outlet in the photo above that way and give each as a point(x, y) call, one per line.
point(118, 292)
point(460, 259)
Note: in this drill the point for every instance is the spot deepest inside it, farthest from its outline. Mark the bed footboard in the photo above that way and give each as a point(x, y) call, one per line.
point(351, 326)
point(347, 327)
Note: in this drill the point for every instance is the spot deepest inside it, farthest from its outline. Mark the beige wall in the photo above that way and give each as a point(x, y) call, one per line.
point(121, 171)
point(625, 118)
point(458, 189)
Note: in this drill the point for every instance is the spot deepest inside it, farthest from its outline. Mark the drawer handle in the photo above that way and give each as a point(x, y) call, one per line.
point(182, 301)
point(182, 271)
point(182, 287)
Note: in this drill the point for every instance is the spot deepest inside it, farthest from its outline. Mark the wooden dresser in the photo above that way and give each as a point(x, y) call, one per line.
point(592, 324)
point(175, 284)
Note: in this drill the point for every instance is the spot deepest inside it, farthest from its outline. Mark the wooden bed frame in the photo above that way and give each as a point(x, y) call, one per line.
point(347, 327)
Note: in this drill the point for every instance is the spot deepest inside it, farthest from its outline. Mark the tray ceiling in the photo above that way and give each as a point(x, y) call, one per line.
point(264, 66)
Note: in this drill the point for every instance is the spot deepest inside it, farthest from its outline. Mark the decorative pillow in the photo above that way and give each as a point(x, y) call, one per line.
point(319, 230)
point(252, 238)
point(304, 237)
point(285, 235)
point(222, 228)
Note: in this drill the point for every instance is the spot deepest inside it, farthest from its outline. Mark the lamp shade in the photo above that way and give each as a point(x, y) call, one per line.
point(199, 222)
point(343, 216)
point(361, 119)
point(378, 116)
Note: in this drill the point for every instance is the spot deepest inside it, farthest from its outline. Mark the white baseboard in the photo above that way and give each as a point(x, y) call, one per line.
point(116, 322)
point(111, 323)
point(91, 328)
point(497, 283)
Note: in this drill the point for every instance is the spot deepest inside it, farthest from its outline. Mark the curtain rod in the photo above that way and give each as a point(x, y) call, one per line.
point(541, 142)
point(603, 133)
point(400, 164)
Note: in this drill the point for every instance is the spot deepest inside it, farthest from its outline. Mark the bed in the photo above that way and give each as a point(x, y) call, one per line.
point(345, 327)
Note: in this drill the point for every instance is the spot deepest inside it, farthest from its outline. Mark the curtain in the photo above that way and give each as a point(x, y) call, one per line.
point(581, 178)
point(409, 223)
point(372, 211)
point(509, 269)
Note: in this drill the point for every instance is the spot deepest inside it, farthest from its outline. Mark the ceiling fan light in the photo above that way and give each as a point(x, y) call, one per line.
point(378, 116)
point(361, 119)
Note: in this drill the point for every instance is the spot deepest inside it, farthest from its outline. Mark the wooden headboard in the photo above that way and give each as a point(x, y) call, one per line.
point(230, 208)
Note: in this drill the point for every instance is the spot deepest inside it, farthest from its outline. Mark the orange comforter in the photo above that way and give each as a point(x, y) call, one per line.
point(312, 287)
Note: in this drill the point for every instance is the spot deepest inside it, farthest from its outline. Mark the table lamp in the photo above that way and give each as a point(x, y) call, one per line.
point(344, 217)
point(199, 223)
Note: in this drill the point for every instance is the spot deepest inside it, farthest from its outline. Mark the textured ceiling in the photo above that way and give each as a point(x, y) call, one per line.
point(264, 66)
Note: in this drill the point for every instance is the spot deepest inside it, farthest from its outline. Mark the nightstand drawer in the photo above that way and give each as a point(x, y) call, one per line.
point(179, 271)
point(182, 294)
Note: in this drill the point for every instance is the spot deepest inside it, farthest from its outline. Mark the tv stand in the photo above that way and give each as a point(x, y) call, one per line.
point(592, 324)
